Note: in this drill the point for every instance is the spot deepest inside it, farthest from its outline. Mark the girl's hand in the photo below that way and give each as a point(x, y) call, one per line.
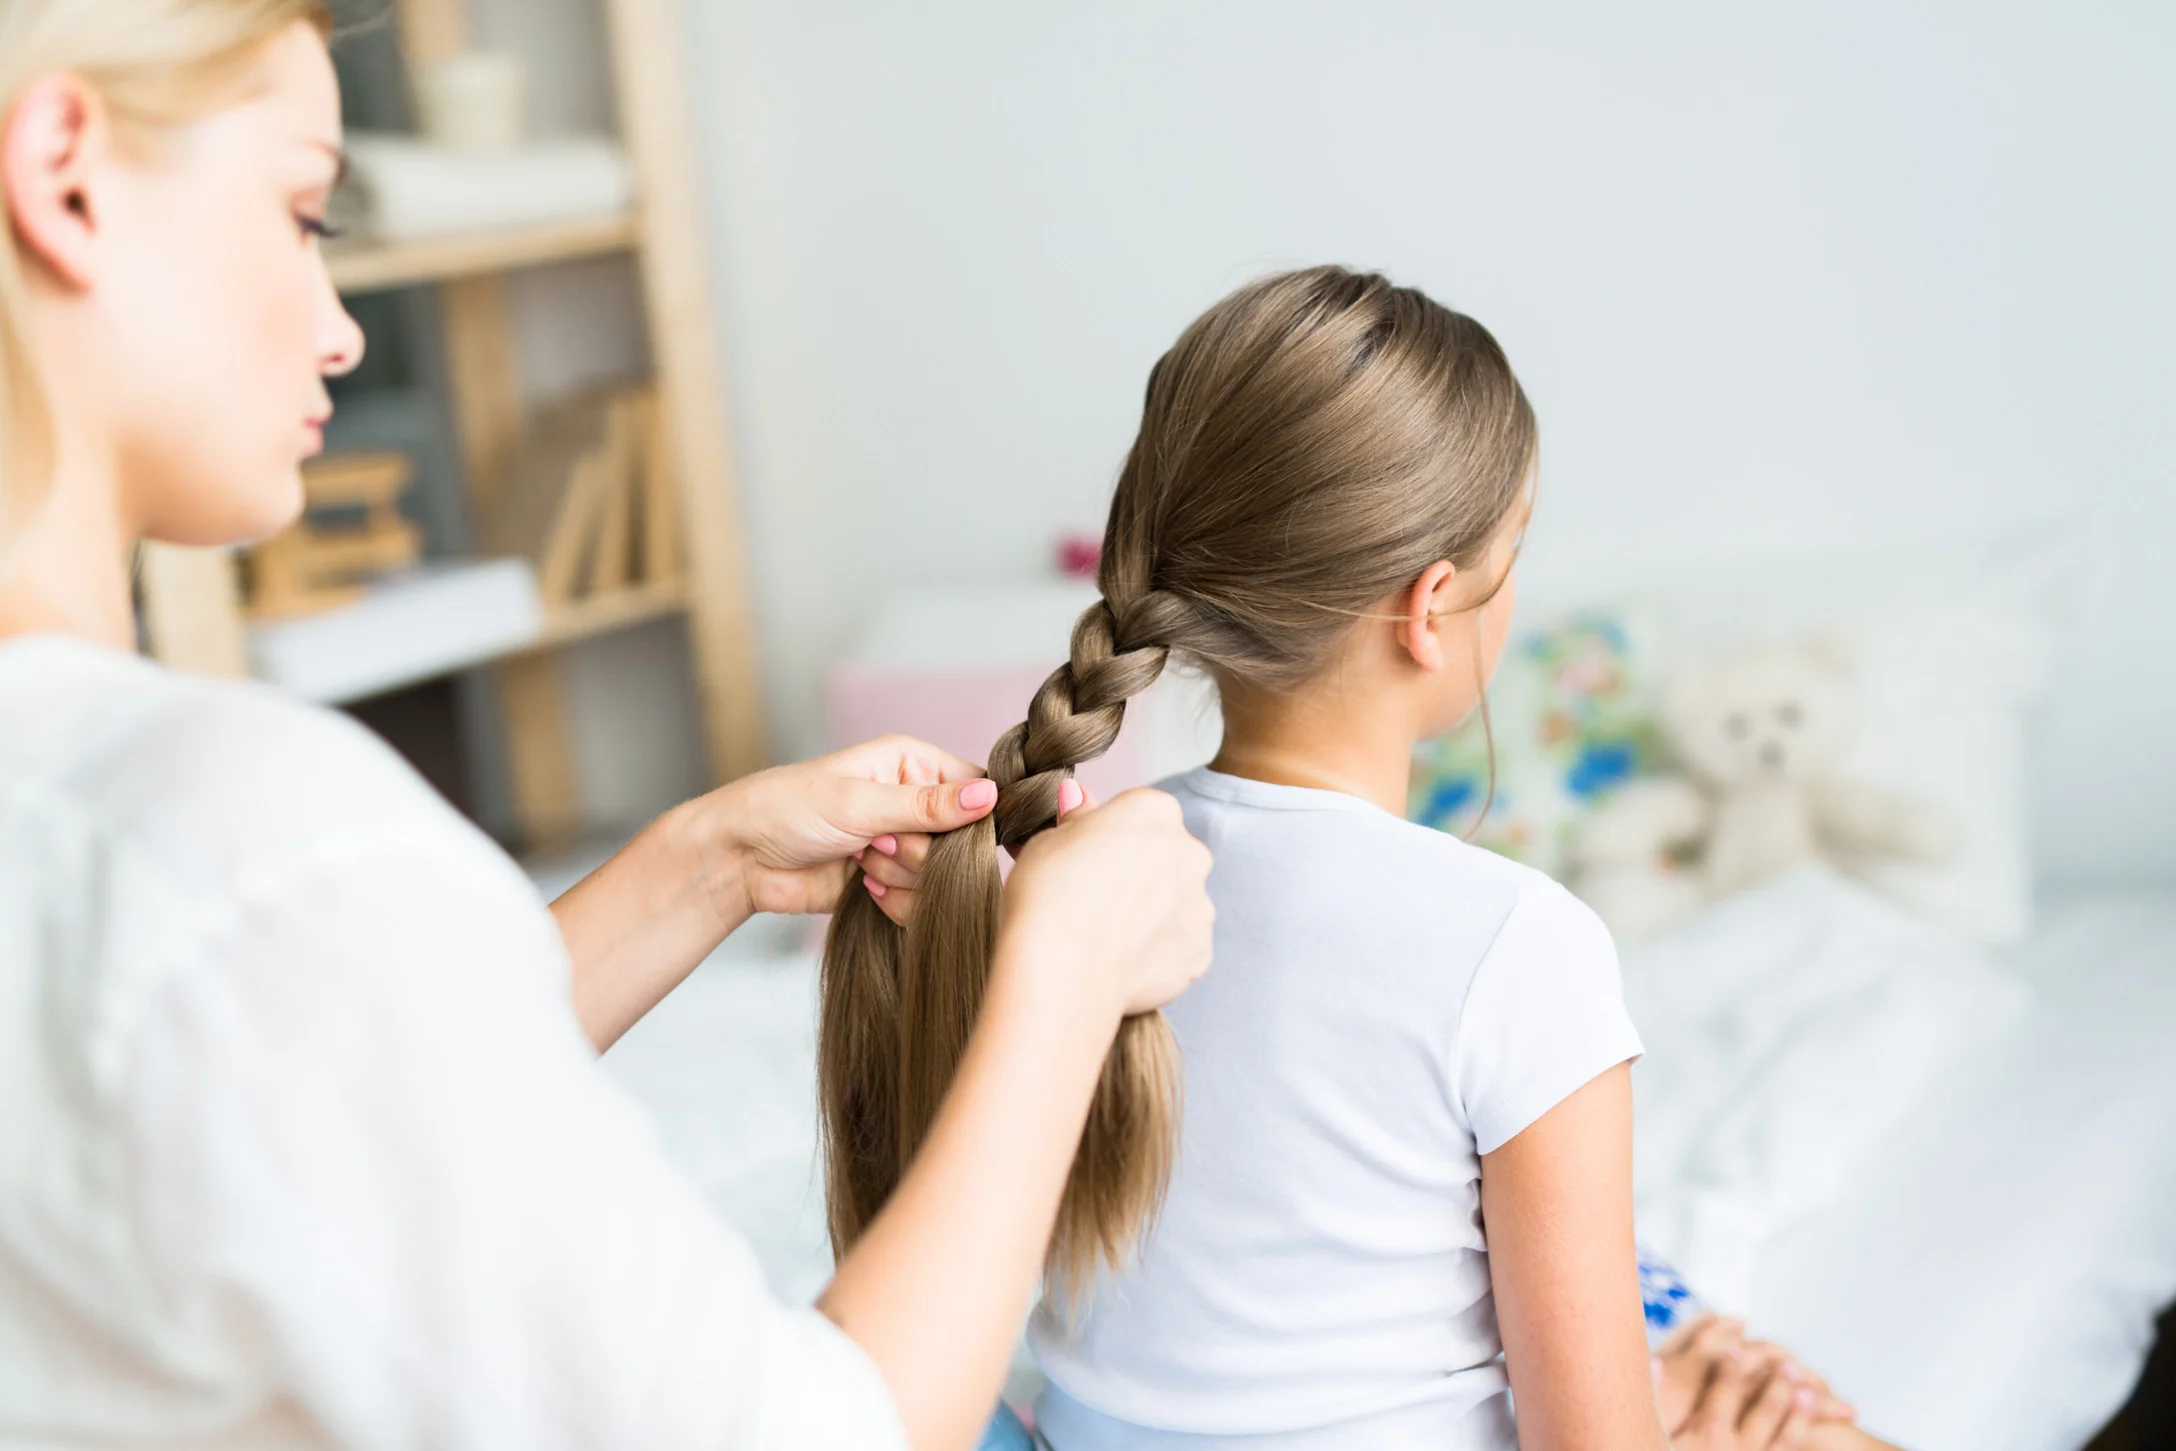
point(1690, 1360)
point(1115, 897)
point(1748, 1406)
point(781, 840)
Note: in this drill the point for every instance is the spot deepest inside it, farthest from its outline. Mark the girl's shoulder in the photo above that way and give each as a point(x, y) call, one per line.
point(1530, 906)
point(1429, 895)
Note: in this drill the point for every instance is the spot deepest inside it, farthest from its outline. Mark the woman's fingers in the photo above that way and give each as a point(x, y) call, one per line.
point(902, 758)
point(1120, 891)
point(1072, 797)
point(908, 848)
point(871, 810)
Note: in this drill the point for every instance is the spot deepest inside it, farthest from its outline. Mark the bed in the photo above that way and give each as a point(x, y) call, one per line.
point(1992, 1278)
point(1987, 1278)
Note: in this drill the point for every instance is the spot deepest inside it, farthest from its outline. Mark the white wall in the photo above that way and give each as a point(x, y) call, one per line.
point(1834, 269)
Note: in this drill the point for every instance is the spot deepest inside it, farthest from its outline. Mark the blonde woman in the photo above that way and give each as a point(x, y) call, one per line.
point(302, 1141)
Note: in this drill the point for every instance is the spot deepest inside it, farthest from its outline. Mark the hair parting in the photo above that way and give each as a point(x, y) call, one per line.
point(1309, 446)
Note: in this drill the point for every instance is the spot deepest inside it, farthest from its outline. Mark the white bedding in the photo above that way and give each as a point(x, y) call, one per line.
point(1982, 1276)
point(1789, 1031)
point(1990, 1280)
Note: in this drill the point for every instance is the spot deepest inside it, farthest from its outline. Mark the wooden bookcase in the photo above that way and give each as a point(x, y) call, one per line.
point(191, 604)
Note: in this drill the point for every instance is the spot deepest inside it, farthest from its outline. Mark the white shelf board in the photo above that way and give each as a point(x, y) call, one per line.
point(440, 618)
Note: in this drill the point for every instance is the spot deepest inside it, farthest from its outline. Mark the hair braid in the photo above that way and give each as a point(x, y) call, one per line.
point(1074, 716)
point(899, 1007)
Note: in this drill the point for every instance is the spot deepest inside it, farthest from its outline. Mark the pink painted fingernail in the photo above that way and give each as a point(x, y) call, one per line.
point(1804, 1399)
point(876, 888)
point(889, 845)
point(977, 794)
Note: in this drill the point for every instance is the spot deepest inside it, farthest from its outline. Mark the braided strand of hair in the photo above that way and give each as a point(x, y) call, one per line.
point(899, 1007)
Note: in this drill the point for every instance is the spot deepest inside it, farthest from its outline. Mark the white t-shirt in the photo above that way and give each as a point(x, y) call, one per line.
point(1387, 1005)
point(300, 1143)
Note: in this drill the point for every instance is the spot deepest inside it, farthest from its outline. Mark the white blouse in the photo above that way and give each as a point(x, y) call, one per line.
point(300, 1143)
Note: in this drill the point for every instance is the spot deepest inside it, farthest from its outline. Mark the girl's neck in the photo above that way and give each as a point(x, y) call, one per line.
point(1352, 741)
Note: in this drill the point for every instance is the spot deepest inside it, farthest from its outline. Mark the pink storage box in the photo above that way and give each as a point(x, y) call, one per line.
point(957, 667)
point(965, 710)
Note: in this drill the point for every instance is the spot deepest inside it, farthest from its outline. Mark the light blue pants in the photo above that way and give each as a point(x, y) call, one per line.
point(1005, 1433)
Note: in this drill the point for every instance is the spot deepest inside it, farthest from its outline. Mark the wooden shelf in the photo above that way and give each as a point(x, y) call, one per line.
point(374, 266)
point(611, 610)
point(193, 611)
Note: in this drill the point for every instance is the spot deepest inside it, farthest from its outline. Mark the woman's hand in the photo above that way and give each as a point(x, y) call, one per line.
point(781, 840)
point(1115, 895)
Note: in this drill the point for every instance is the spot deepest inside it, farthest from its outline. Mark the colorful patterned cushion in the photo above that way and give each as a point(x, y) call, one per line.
point(1571, 713)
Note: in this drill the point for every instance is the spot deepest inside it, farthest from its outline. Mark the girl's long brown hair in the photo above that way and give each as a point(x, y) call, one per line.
point(1309, 446)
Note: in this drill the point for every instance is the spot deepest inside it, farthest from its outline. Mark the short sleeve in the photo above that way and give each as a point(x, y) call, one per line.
point(1543, 1017)
point(368, 1139)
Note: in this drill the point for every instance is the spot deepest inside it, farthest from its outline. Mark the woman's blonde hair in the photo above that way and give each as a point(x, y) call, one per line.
point(154, 63)
point(1310, 445)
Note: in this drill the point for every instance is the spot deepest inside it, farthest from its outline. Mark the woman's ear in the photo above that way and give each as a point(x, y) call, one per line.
point(1426, 602)
point(55, 140)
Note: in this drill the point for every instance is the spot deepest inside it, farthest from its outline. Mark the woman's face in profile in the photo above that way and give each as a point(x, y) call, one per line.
point(216, 315)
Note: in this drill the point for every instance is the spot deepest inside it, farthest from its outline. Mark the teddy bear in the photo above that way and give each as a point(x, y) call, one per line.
point(1757, 738)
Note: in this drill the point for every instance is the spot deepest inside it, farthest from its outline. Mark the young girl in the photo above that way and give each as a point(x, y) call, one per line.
point(1407, 1038)
point(1401, 1194)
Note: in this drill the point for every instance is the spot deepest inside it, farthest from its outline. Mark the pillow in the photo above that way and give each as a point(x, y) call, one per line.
point(1945, 666)
point(1950, 641)
point(1570, 716)
point(1943, 691)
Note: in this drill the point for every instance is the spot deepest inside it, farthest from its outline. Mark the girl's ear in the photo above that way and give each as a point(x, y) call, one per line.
point(1426, 604)
point(55, 140)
